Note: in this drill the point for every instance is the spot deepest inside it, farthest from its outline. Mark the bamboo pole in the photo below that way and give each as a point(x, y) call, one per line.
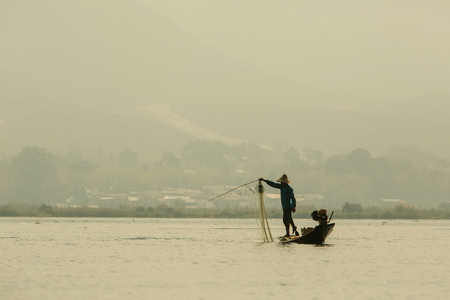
point(238, 187)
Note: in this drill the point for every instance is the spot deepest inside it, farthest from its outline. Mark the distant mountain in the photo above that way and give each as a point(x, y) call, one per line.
point(83, 73)
point(71, 69)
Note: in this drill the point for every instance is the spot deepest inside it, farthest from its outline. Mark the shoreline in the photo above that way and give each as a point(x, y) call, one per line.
point(47, 211)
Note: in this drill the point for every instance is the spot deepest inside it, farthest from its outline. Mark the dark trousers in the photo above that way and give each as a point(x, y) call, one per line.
point(287, 219)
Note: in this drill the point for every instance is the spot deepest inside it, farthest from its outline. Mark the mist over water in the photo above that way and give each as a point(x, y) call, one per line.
point(220, 259)
point(139, 94)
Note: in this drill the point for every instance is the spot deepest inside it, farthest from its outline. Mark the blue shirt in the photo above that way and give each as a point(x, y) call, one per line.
point(286, 193)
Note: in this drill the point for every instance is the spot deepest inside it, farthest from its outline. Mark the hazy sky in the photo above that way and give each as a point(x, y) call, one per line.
point(367, 74)
point(376, 48)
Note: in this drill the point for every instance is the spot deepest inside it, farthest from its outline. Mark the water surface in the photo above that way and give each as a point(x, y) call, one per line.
point(80, 258)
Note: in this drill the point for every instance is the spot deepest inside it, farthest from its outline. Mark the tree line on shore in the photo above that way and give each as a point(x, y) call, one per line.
point(303, 212)
point(36, 176)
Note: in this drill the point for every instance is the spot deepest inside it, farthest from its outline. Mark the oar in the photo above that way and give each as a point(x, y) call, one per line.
point(329, 220)
point(233, 189)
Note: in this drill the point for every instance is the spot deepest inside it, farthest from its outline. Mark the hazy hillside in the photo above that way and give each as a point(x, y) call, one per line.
point(82, 74)
point(64, 57)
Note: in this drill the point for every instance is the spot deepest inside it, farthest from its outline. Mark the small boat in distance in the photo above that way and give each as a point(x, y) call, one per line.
point(313, 235)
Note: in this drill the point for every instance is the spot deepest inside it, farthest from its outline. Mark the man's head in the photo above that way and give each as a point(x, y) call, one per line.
point(284, 179)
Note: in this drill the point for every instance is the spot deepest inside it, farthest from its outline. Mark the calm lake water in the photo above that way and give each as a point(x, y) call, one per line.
point(220, 259)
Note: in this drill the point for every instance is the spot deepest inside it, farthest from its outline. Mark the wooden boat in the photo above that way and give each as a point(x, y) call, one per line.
point(314, 236)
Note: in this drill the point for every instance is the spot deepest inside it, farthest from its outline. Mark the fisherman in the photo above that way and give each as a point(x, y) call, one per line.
point(288, 202)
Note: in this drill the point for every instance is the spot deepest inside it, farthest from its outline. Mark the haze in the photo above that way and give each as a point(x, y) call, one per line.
point(152, 75)
point(372, 49)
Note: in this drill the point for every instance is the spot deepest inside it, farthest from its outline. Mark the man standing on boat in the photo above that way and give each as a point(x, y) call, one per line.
point(288, 201)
